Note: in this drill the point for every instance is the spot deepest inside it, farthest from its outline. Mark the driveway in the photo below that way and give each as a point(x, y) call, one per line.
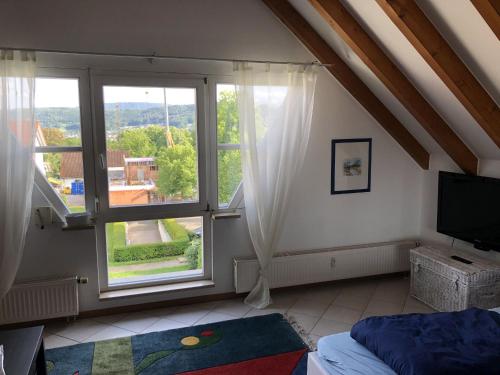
point(143, 232)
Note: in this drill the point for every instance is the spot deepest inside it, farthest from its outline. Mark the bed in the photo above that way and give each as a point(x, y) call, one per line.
point(340, 354)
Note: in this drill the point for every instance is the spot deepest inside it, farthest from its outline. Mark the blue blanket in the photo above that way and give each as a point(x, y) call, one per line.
point(465, 342)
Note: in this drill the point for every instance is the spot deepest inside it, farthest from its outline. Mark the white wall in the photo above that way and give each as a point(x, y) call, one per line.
point(390, 211)
point(225, 29)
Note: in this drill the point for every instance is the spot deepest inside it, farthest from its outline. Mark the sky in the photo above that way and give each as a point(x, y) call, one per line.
point(50, 92)
point(57, 92)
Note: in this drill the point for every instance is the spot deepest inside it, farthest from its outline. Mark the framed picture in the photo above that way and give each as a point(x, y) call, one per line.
point(351, 165)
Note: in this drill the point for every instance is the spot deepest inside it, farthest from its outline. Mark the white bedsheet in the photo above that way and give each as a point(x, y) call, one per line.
point(341, 354)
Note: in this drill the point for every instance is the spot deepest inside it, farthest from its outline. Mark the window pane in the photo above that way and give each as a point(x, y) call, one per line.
point(228, 159)
point(57, 112)
point(229, 171)
point(151, 145)
point(227, 115)
point(150, 250)
point(64, 171)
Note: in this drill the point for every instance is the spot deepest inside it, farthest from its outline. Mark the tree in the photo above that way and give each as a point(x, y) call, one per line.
point(177, 171)
point(229, 170)
point(228, 129)
point(183, 136)
point(136, 142)
point(157, 136)
point(53, 160)
point(53, 136)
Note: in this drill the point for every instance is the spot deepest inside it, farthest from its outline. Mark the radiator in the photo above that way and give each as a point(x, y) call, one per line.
point(297, 268)
point(40, 300)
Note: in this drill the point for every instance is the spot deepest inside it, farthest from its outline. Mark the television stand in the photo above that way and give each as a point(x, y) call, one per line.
point(481, 247)
point(450, 279)
point(485, 246)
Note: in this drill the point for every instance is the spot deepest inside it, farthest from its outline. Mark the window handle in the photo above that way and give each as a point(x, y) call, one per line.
point(102, 161)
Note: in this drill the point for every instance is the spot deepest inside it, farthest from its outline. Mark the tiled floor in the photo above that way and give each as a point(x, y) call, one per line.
point(319, 310)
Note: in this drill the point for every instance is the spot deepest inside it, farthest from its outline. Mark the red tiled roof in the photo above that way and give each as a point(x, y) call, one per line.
point(72, 164)
point(115, 158)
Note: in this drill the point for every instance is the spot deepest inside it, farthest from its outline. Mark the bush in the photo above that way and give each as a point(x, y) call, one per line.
point(175, 230)
point(193, 254)
point(149, 251)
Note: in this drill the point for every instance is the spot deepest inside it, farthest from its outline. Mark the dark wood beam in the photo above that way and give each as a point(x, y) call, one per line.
point(490, 11)
point(346, 77)
point(427, 40)
point(382, 66)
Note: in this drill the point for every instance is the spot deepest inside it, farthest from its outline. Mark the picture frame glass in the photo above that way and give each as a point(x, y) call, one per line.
point(351, 166)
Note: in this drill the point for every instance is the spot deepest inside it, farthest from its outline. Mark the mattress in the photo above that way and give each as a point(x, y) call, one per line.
point(340, 354)
point(315, 365)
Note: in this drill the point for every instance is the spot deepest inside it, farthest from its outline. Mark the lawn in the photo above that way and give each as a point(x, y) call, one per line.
point(144, 261)
point(115, 237)
point(76, 209)
point(156, 271)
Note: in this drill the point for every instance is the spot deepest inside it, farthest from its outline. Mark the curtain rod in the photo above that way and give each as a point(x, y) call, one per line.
point(153, 56)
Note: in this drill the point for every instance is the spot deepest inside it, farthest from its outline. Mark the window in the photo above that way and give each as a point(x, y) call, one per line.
point(149, 250)
point(228, 146)
point(152, 223)
point(58, 139)
point(151, 134)
point(229, 173)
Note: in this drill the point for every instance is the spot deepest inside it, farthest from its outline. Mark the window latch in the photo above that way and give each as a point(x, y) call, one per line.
point(102, 161)
point(96, 204)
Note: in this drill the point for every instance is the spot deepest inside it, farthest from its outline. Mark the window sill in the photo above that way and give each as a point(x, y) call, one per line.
point(124, 293)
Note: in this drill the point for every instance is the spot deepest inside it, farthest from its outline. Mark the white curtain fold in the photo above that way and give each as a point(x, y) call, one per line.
point(275, 109)
point(17, 89)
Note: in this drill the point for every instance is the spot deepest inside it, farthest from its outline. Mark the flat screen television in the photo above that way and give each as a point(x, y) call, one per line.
point(469, 209)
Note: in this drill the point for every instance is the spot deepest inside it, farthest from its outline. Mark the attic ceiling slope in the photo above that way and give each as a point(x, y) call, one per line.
point(373, 56)
point(294, 21)
point(490, 11)
point(427, 40)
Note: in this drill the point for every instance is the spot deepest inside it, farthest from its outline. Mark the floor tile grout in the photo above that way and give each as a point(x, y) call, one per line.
point(286, 307)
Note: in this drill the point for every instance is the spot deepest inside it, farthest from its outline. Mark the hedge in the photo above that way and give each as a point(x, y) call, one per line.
point(175, 230)
point(150, 251)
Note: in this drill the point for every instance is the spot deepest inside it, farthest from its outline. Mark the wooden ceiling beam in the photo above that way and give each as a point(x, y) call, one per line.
point(490, 11)
point(339, 18)
point(427, 40)
point(292, 19)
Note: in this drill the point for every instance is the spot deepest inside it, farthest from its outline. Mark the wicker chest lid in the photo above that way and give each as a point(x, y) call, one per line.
point(438, 259)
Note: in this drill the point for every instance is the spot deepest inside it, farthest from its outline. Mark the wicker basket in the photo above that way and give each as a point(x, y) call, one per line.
point(447, 284)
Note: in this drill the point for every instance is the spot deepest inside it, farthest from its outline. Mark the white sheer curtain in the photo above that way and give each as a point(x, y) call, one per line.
point(275, 106)
point(17, 88)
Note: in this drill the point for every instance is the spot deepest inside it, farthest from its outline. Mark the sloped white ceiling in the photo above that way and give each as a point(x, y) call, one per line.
point(467, 34)
point(471, 38)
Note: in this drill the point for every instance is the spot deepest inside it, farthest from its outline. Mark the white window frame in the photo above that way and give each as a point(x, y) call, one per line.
point(81, 75)
point(236, 201)
point(108, 214)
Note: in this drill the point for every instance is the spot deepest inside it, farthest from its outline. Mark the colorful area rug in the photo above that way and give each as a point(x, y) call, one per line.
point(258, 345)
